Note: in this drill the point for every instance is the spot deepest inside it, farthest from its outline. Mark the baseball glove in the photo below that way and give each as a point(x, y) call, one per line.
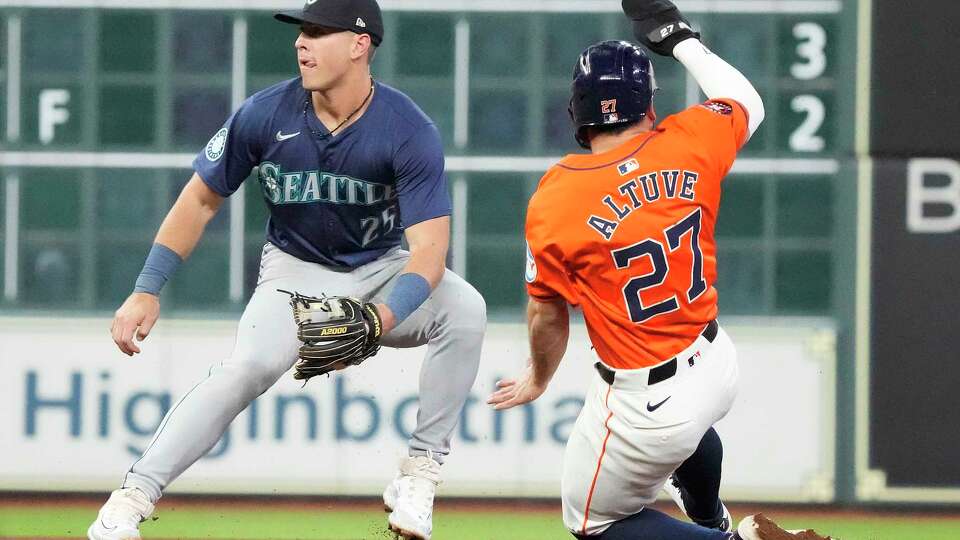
point(337, 332)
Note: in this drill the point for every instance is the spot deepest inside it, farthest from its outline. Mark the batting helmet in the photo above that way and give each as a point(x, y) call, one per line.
point(613, 83)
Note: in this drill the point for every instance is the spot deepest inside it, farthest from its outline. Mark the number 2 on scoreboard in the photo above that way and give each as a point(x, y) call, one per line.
point(655, 250)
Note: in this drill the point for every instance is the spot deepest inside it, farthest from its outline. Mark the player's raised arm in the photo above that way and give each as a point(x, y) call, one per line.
point(179, 234)
point(659, 25)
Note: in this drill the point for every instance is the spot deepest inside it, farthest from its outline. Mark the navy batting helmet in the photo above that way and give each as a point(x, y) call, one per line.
point(613, 83)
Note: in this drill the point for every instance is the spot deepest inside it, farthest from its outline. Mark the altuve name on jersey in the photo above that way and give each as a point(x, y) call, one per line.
point(639, 191)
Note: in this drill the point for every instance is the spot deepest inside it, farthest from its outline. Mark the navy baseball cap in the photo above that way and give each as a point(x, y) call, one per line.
point(358, 16)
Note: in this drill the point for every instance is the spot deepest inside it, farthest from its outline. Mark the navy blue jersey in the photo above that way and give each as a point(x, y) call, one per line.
point(340, 200)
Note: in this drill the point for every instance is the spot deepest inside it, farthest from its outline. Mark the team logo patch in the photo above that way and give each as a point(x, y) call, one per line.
point(216, 145)
point(718, 107)
point(628, 167)
point(531, 267)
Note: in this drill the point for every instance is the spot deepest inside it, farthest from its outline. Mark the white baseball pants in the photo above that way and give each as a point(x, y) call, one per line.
point(621, 452)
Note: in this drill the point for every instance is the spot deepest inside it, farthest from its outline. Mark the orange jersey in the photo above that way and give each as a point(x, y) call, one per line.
point(628, 235)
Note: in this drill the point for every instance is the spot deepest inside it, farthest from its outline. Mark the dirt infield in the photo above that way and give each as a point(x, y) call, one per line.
point(332, 503)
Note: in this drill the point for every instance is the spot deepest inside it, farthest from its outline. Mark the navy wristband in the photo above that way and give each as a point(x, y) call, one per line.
point(407, 295)
point(161, 263)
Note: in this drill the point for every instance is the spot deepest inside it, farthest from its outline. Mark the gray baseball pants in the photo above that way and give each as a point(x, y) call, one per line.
point(451, 323)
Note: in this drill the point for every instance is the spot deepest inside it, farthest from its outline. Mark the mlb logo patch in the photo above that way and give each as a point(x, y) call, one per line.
point(628, 167)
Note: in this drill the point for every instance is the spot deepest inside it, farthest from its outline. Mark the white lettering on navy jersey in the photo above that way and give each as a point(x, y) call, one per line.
point(339, 200)
point(304, 187)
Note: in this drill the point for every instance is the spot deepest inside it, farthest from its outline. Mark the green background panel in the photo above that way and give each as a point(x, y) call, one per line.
point(425, 45)
point(805, 207)
point(787, 44)
point(3, 76)
point(740, 281)
point(48, 276)
point(741, 207)
point(496, 270)
point(436, 100)
point(804, 282)
point(49, 200)
point(128, 42)
point(558, 130)
point(202, 284)
point(66, 134)
point(497, 205)
point(494, 121)
point(745, 41)
point(127, 115)
point(129, 201)
point(202, 42)
point(504, 42)
point(790, 120)
point(567, 36)
point(119, 262)
point(270, 46)
point(52, 41)
point(160, 80)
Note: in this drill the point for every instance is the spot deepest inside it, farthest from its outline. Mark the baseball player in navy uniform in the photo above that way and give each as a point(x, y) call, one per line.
point(347, 166)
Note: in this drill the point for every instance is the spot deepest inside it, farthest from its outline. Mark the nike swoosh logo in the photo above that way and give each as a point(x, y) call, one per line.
point(281, 137)
point(652, 408)
point(104, 525)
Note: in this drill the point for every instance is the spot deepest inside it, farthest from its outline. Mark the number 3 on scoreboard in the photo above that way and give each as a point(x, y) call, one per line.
point(661, 267)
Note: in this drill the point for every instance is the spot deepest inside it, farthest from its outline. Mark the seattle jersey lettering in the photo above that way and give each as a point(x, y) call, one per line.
point(644, 189)
point(304, 187)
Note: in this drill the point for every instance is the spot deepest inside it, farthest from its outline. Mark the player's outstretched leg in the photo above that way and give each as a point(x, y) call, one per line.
point(695, 486)
point(266, 348)
point(650, 524)
point(452, 323)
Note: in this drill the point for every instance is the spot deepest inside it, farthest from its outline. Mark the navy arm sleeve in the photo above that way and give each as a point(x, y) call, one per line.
point(231, 154)
point(421, 181)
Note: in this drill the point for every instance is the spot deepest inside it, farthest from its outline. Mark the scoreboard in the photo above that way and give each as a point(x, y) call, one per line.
point(106, 102)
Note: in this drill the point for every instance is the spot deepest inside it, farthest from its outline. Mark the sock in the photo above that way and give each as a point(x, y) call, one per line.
point(700, 477)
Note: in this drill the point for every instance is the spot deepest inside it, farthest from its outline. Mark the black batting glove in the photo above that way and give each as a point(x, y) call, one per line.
point(658, 24)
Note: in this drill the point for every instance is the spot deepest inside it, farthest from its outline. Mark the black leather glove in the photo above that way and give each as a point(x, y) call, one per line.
point(658, 24)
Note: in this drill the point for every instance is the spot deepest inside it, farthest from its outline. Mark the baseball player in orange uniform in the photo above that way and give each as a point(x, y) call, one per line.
point(626, 233)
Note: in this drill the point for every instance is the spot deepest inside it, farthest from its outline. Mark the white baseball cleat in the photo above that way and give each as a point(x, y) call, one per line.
point(675, 490)
point(120, 517)
point(409, 497)
point(390, 493)
point(759, 527)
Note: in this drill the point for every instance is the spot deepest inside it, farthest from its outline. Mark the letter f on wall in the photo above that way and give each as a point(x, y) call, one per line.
point(53, 112)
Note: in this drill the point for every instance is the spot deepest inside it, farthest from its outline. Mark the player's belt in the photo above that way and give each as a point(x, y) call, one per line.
point(665, 370)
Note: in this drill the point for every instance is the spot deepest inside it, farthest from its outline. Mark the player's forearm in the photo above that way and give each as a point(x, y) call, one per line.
point(549, 326)
point(429, 242)
point(183, 227)
point(718, 79)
